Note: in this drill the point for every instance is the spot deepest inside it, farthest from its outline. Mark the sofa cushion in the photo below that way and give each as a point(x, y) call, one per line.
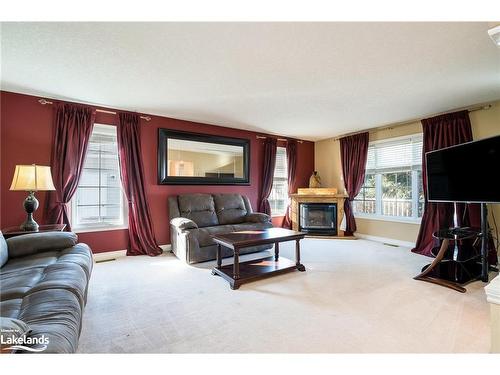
point(230, 208)
point(251, 226)
point(55, 314)
point(16, 284)
point(10, 308)
point(33, 261)
point(204, 235)
point(257, 217)
point(68, 276)
point(4, 254)
point(199, 208)
point(34, 243)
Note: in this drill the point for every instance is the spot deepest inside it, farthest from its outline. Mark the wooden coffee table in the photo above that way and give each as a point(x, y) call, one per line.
point(240, 273)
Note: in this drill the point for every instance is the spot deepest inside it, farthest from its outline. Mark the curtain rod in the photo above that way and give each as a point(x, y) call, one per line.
point(398, 124)
point(44, 102)
point(279, 139)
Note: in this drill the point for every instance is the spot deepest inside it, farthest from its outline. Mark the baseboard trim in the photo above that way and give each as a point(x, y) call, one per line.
point(108, 255)
point(390, 241)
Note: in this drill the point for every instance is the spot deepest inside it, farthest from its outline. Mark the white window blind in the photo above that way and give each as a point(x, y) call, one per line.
point(98, 201)
point(403, 154)
point(278, 199)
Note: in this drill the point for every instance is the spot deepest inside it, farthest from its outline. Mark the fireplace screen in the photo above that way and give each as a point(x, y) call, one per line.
point(318, 218)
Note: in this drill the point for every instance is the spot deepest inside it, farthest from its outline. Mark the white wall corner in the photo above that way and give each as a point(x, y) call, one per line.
point(493, 291)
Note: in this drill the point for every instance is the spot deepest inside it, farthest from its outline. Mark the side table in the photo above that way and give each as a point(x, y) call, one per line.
point(15, 231)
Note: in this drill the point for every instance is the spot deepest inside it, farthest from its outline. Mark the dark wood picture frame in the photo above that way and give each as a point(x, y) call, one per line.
point(164, 179)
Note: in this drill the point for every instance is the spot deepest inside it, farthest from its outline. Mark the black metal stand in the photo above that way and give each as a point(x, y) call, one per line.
point(484, 243)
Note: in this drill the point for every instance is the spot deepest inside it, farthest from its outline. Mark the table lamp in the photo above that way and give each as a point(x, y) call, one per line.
point(31, 178)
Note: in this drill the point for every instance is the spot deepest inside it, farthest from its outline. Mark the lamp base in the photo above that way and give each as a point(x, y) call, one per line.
point(30, 206)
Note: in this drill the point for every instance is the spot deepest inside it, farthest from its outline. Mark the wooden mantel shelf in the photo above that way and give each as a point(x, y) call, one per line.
point(320, 196)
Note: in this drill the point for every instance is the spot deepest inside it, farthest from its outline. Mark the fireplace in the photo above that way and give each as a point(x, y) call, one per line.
point(318, 218)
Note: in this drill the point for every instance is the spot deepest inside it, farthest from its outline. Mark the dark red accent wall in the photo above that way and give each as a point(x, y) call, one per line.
point(26, 138)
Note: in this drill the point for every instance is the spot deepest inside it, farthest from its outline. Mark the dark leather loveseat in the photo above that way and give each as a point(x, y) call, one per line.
point(44, 279)
point(195, 218)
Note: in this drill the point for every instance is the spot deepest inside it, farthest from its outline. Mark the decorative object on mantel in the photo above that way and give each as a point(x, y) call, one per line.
point(318, 212)
point(315, 180)
point(31, 178)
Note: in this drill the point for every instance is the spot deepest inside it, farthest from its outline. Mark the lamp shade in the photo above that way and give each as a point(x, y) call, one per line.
point(32, 178)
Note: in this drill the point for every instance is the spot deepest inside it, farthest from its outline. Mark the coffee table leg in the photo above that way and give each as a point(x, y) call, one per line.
point(276, 251)
point(236, 264)
point(219, 258)
point(299, 266)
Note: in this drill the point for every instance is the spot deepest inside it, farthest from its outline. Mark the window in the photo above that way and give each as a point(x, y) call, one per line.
point(99, 201)
point(393, 180)
point(278, 199)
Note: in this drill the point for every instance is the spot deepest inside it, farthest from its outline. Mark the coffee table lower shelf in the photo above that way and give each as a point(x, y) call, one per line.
point(256, 269)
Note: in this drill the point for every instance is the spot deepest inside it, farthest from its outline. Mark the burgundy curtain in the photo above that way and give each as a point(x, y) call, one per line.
point(291, 162)
point(71, 133)
point(140, 227)
point(353, 154)
point(269, 163)
point(439, 132)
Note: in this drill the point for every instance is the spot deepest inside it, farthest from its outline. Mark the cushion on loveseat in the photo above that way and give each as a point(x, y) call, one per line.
point(230, 208)
point(199, 208)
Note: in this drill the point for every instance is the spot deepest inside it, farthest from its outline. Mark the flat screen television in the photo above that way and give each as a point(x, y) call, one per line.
point(469, 172)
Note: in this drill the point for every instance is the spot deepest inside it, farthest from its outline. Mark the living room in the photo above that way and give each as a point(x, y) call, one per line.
point(249, 188)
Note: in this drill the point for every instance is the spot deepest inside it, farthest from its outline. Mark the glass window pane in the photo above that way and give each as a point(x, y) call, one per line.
point(99, 198)
point(110, 178)
point(397, 194)
point(365, 201)
point(278, 199)
point(90, 177)
point(87, 196)
point(87, 215)
point(111, 196)
point(392, 161)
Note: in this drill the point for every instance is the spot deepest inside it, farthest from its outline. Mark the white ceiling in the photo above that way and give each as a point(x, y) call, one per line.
point(304, 80)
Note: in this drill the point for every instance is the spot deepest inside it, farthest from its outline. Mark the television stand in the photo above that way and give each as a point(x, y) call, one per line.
point(459, 269)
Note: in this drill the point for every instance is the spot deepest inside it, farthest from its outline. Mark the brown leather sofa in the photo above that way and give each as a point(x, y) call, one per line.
point(195, 218)
point(44, 280)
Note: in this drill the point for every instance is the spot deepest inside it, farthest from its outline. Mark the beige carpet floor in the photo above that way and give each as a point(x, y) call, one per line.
point(355, 297)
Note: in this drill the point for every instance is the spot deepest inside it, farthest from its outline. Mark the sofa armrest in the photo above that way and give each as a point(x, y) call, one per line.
point(182, 223)
point(258, 217)
point(28, 244)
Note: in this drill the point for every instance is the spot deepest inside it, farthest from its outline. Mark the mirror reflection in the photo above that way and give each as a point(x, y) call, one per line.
point(201, 159)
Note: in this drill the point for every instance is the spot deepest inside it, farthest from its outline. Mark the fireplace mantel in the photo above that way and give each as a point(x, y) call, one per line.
point(320, 196)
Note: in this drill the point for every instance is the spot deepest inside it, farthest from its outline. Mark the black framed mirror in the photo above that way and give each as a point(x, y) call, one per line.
point(186, 158)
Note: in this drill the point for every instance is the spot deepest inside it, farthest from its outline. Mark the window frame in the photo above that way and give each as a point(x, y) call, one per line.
point(285, 179)
point(100, 227)
point(414, 219)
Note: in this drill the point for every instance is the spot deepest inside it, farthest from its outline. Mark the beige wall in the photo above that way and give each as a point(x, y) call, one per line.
point(485, 123)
